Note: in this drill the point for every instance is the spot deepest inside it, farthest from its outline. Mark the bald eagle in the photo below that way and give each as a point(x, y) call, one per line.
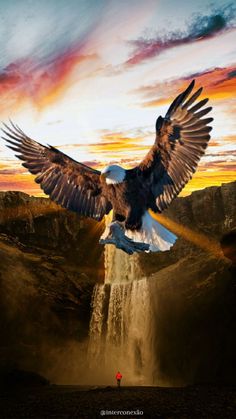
point(181, 139)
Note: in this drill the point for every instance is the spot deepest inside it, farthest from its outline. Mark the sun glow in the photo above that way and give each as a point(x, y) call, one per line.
point(96, 85)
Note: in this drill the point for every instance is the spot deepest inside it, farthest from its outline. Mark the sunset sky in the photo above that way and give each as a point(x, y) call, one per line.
point(91, 76)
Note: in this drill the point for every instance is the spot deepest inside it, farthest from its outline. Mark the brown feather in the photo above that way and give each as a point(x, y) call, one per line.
point(180, 142)
point(58, 175)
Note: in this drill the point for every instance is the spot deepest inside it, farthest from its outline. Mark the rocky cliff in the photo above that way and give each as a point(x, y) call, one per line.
point(201, 220)
point(195, 290)
point(50, 260)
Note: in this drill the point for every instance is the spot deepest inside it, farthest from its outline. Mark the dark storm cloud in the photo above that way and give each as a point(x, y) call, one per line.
point(201, 27)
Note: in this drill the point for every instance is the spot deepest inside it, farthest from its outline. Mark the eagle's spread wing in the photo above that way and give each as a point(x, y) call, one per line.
point(181, 139)
point(71, 184)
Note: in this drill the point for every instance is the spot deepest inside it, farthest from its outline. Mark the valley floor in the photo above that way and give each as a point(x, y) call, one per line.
point(69, 402)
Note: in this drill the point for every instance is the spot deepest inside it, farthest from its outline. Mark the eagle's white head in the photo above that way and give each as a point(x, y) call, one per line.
point(113, 174)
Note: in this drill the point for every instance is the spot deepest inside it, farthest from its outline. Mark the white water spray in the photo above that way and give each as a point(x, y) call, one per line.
point(121, 327)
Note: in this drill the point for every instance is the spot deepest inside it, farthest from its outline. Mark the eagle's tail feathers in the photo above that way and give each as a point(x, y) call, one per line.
point(153, 233)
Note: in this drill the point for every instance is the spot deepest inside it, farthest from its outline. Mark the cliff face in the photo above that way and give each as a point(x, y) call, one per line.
point(195, 291)
point(38, 223)
point(203, 218)
point(49, 262)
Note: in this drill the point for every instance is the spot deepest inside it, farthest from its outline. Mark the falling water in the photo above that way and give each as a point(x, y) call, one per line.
point(121, 326)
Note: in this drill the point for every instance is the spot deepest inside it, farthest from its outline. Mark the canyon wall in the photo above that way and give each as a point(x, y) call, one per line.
point(50, 261)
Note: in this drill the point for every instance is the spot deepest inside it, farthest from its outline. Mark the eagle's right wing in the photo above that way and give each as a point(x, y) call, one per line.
point(69, 183)
point(181, 140)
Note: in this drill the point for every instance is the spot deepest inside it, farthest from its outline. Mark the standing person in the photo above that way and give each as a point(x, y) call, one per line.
point(118, 378)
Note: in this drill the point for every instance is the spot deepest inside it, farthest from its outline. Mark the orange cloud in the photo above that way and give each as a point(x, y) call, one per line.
point(42, 84)
point(115, 146)
point(218, 83)
point(119, 142)
point(22, 182)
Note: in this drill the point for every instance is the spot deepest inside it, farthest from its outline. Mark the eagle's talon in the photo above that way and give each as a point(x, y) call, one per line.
point(115, 234)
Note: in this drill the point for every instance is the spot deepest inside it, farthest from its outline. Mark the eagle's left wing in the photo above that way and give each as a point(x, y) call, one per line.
point(69, 183)
point(181, 139)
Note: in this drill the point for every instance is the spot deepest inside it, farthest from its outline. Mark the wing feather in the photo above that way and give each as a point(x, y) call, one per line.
point(181, 139)
point(71, 184)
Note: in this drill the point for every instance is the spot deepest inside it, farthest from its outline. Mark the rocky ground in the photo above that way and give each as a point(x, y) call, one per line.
point(196, 402)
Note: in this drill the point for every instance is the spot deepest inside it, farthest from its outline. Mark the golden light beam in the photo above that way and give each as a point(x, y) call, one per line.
point(199, 239)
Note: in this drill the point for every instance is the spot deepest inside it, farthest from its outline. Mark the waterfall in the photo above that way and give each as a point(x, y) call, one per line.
point(120, 267)
point(121, 326)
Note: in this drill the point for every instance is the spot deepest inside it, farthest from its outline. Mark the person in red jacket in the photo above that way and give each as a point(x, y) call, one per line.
point(118, 378)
